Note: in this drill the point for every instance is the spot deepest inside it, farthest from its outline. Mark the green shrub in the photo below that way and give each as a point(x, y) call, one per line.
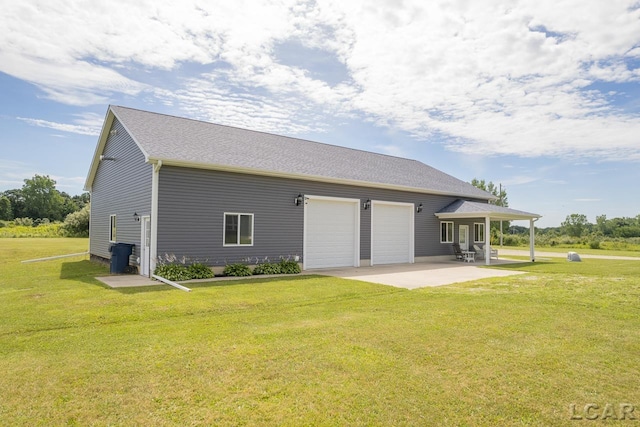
point(267, 268)
point(594, 244)
point(175, 272)
point(76, 224)
point(289, 267)
point(198, 270)
point(512, 240)
point(237, 269)
point(23, 221)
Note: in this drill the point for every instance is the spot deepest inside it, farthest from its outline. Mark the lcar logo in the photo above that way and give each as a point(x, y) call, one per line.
point(609, 411)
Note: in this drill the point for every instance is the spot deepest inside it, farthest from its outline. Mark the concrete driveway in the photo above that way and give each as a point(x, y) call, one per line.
point(419, 275)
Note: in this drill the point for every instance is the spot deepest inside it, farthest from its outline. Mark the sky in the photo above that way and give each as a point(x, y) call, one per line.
point(542, 97)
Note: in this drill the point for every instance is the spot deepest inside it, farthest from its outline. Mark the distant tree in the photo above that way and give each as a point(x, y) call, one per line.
point(68, 205)
point(41, 199)
point(17, 203)
point(6, 213)
point(575, 225)
point(603, 226)
point(81, 200)
point(500, 192)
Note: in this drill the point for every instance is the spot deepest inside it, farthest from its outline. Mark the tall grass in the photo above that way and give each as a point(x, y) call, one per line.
point(42, 230)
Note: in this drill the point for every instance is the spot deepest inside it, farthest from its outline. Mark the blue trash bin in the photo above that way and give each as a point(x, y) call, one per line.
point(120, 253)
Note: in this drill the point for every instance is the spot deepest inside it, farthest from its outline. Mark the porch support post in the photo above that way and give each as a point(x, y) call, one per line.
point(532, 238)
point(487, 240)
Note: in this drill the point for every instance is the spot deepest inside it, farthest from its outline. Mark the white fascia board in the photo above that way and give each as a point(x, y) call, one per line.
point(314, 178)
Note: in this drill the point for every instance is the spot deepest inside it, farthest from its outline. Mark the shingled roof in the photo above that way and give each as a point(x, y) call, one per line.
point(467, 209)
point(191, 143)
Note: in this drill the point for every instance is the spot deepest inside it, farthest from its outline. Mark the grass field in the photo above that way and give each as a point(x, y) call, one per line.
point(312, 350)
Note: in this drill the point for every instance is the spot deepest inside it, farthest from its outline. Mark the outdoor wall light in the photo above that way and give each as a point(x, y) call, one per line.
point(419, 208)
point(298, 200)
point(366, 205)
point(136, 217)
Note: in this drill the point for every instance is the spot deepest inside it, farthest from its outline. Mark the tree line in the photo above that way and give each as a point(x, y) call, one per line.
point(577, 225)
point(39, 200)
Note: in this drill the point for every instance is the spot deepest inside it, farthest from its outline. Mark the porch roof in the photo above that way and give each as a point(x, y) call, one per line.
point(466, 209)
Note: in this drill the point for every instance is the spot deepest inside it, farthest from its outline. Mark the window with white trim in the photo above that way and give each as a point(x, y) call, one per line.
point(446, 232)
point(238, 229)
point(478, 232)
point(112, 228)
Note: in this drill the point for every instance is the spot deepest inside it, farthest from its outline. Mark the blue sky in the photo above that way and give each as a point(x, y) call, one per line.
point(543, 98)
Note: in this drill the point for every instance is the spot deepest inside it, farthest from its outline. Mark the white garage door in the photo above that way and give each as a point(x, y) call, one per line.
point(331, 232)
point(391, 233)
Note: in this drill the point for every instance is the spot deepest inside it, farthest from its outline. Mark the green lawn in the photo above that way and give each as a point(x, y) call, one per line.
point(311, 350)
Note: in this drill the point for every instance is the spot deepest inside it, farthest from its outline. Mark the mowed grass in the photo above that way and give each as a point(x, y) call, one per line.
point(312, 350)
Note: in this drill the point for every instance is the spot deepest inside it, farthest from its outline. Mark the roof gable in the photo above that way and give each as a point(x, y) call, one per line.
point(191, 143)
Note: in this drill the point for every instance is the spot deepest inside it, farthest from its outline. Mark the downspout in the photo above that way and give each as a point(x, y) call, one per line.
point(532, 238)
point(487, 239)
point(155, 180)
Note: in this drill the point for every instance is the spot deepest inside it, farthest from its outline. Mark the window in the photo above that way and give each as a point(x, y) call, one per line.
point(112, 228)
point(238, 229)
point(446, 232)
point(478, 232)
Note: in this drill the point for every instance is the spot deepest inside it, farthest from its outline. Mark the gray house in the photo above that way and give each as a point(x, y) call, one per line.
point(220, 194)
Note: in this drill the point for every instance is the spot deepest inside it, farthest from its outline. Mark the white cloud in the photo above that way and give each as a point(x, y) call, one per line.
point(88, 126)
point(13, 173)
point(480, 77)
point(69, 183)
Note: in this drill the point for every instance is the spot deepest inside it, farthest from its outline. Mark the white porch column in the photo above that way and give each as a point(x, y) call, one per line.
point(532, 238)
point(487, 240)
point(154, 216)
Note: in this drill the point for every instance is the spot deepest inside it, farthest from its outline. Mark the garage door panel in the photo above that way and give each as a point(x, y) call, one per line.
point(331, 233)
point(391, 233)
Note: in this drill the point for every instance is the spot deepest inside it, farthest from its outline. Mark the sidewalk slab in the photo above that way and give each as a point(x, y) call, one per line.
point(128, 281)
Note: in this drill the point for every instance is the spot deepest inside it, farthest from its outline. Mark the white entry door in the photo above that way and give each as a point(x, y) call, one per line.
point(145, 245)
point(463, 237)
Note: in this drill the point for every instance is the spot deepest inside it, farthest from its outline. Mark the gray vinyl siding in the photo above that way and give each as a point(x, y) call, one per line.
point(192, 203)
point(121, 187)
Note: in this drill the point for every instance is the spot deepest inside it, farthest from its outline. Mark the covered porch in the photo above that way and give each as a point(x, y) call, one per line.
point(466, 210)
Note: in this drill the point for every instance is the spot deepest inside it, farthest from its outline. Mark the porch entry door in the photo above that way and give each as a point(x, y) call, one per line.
point(463, 237)
point(145, 245)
